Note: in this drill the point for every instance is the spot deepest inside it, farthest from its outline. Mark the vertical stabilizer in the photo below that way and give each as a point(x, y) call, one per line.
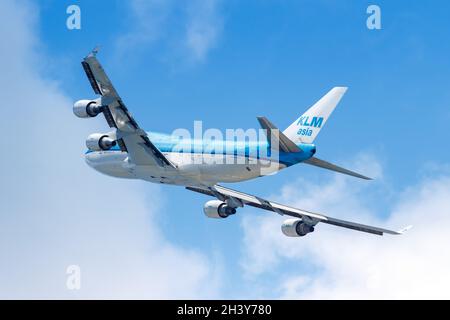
point(306, 128)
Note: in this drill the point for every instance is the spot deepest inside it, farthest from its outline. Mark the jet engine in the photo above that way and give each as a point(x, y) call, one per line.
point(218, 209)
point(87, 108)
point(100, 142)
point(296, 228)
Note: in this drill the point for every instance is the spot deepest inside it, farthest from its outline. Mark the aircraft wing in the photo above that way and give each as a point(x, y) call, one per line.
point(240, 199)
point(130, 137)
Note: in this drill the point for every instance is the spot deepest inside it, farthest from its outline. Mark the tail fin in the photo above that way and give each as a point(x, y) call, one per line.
point(306, 128)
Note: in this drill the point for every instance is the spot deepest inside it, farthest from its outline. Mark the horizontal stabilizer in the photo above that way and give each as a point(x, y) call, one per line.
point(327, 165)
point(275, 135)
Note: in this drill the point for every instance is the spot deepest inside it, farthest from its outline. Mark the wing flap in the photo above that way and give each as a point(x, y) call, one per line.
point(98, 77)
point(91, 78)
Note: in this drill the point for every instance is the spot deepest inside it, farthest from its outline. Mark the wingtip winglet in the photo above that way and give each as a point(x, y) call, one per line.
point(94, 52)
point(405, 229)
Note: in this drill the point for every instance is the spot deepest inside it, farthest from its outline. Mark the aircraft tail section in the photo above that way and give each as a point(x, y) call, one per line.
point(329, 166)
point(306, 128)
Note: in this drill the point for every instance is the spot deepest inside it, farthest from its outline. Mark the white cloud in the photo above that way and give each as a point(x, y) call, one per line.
point(203, 27)
point(336, 263)
point(189, 34)
point(148, 22)
point(56, 211)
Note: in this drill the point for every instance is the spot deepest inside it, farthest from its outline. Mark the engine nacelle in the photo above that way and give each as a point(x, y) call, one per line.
point(296, 228)
point(218, 209)
point(100, 142)
point(87, 108)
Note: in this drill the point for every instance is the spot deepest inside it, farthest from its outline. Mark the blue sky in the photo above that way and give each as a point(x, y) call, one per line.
point(276, 60)
point(226, 62)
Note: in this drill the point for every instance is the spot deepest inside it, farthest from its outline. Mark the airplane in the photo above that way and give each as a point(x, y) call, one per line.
point(127, 151)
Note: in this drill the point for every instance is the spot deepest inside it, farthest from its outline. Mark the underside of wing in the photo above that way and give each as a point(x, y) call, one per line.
point(130, 137)
point(226, 194)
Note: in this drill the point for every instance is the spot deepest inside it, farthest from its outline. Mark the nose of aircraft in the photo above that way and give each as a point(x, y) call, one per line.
point(91, 159)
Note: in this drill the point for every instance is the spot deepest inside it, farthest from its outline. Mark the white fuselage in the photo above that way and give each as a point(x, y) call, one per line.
point(199, 162)
point(192, 169)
